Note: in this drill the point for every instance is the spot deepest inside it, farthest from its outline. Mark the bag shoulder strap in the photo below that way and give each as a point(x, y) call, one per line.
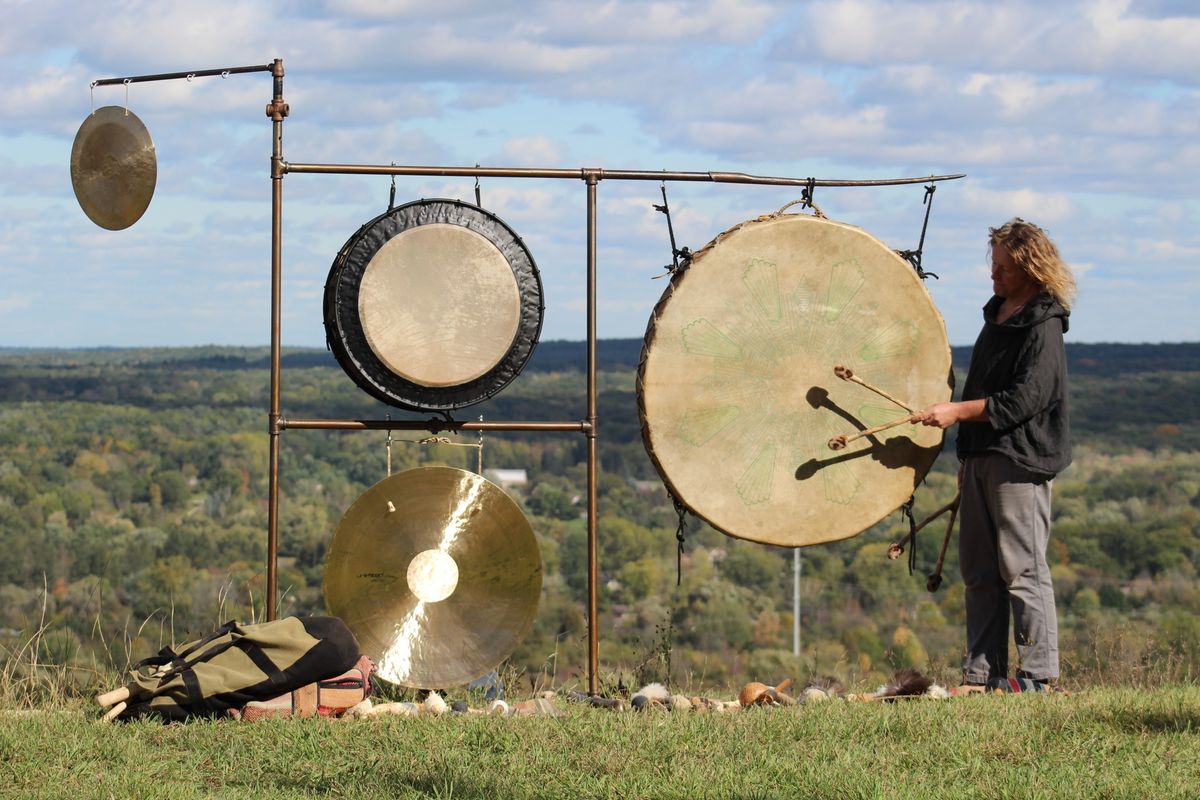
point(169, 656)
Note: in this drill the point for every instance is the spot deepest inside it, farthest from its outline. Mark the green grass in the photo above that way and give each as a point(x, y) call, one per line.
point(1103, 743)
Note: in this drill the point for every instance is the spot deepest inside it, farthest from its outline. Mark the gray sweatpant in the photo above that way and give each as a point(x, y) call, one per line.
point(1005, 517)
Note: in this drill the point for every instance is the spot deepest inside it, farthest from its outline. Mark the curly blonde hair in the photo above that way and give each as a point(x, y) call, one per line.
point(1033, 251)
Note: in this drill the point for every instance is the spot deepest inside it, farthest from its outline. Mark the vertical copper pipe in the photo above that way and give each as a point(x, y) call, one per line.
point(593, 567)
point(277, 110)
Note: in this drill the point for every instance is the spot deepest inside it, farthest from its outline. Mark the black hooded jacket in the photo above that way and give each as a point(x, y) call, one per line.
point(1020, 367)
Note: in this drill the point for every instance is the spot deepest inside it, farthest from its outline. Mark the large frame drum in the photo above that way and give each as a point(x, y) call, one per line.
point(737, 392)
point(433, 305)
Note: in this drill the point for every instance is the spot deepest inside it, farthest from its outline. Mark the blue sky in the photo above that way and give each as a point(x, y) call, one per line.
point(1081, 116)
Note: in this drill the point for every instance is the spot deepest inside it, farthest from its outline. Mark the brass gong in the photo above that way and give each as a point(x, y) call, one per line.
point(437, 573)
point(113, 167)
point(738, 396)
point(433, 305)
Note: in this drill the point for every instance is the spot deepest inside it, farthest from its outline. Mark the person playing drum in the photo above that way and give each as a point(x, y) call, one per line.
point(1013, 438)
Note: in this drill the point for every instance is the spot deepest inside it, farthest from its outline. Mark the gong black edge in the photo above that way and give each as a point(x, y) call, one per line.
point(347, 341)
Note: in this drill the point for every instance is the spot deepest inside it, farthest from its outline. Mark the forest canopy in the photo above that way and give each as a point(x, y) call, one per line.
point(133, 510)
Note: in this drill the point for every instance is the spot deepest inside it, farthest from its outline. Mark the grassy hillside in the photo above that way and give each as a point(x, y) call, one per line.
point(1100, 744)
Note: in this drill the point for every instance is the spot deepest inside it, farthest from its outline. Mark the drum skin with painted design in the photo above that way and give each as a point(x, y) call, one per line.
point(736, 387)
point(433, 305)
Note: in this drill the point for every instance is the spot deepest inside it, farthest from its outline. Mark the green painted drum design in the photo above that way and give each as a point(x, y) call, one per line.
point(737, 392)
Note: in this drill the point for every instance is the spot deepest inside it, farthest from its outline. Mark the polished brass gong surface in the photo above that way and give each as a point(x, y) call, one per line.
point(437, 573)
point(113, 167)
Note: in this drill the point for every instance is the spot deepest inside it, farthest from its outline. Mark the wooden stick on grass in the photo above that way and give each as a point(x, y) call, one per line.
point(114, 712)
point(115, 696)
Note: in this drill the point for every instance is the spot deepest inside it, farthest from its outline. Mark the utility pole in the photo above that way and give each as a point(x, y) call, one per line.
point(796, 602)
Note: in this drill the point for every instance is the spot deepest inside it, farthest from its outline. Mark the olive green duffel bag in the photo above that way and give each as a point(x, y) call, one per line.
point(235, 665)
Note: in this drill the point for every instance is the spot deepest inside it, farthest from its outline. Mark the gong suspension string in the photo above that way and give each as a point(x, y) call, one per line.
point(479, 454)
point(478, 196)
point(914, 256)
point(428, 440)
point(392, 193)
point(388, 446)
point(438, 440)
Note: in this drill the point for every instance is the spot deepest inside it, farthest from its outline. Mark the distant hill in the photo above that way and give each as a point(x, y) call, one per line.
point(1094, 359)
point(1089, 359)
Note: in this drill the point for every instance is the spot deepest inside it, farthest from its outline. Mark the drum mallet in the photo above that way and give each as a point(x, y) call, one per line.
point(847, 374)
point(118, 699)
point(115, 696)
point(114, 712)
point(840, 442)
point(115, 701)
point(935, 578)
point(896, 549)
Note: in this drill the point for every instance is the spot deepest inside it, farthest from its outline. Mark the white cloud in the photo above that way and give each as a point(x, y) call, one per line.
point(1169, 250)
point(390, 10)
point(1021, 95)
point(1045, 207)
point(656, 22)
point(1090, 37)
point(1081, 268)
point(1085, 115)
point(532, 151)
point(14, 303)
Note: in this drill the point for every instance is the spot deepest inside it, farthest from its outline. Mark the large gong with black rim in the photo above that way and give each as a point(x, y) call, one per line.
point(433, 305)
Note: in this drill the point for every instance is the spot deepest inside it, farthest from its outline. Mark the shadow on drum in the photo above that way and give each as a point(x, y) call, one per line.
point(897, 452)
point(818, 397)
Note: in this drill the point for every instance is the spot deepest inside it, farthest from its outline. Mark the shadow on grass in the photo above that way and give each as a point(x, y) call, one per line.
point(1181, 720)
point(386, 784)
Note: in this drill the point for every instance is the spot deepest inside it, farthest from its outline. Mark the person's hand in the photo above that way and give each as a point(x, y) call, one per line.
point(938, 415)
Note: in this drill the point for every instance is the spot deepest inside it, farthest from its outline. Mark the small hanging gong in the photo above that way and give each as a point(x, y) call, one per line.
point(113, 167)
